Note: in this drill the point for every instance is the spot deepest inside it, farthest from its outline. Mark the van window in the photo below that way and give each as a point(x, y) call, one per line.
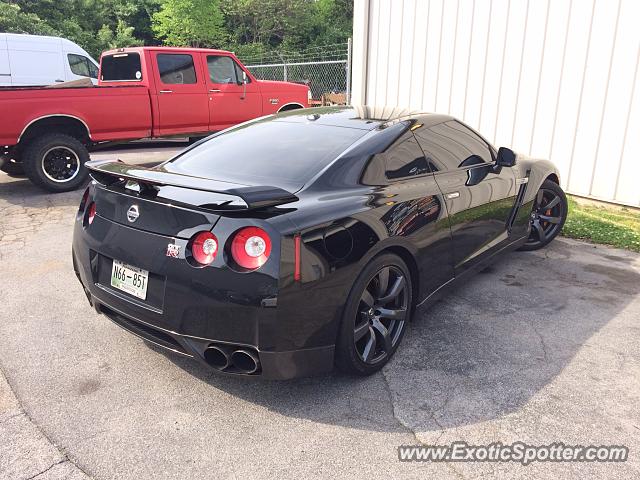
point(121, 67)
point(81, 65)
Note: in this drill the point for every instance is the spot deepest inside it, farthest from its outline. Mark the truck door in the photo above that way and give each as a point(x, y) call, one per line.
point(231, 101)
point(182, 95)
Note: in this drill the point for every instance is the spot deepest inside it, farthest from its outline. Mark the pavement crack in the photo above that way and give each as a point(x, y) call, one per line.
point(23, 411)
point(543, 345)
point(403, 425)
point(47, 469)
point(4, 420)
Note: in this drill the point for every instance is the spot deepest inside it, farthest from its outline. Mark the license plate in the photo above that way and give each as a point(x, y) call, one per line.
point(127, 278)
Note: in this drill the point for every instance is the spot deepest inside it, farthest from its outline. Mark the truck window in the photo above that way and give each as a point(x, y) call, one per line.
point(121, 67)
point(222, 69)
point(176, 68)
point(81, 65)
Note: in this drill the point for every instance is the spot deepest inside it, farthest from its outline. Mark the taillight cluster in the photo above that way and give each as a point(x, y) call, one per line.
point(204, 247)
point(249, 248)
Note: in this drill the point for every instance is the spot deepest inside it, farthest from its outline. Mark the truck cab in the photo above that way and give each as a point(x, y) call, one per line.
point(198, 90)
point(142, 92)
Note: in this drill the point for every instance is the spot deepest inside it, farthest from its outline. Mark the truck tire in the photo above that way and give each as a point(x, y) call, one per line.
point(55, 162)
point(11, 167)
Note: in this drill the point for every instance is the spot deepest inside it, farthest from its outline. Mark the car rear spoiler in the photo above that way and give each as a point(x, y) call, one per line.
point(107, 172)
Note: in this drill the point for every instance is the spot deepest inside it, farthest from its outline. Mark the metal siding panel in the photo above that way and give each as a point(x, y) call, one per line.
point(554, 79)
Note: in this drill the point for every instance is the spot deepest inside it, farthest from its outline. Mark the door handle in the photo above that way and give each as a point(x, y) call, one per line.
point(166, 91)
point(215, 90)
point(452, 195)
point(59, 80)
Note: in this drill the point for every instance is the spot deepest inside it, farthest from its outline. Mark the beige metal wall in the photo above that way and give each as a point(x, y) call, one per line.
point(555, 79)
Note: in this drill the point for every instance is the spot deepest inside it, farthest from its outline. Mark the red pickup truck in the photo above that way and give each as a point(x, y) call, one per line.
point(142, 93)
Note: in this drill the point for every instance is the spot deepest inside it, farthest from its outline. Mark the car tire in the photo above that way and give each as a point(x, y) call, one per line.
point(366, 316)
point(55, 162)
point(11, 167)
point(548, 215)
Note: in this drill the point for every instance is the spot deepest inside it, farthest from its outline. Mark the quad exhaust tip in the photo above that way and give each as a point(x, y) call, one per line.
point(245, 361)
point(232, 359)
point(216, 357)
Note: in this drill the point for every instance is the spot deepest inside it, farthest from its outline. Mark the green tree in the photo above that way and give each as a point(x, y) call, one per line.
point(196, 23)
point(14, 20)
point(122, 37)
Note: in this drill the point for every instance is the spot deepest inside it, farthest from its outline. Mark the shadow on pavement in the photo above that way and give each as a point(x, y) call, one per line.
point(479, 354)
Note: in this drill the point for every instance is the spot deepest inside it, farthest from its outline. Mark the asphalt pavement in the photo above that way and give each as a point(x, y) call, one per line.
point(541, 347)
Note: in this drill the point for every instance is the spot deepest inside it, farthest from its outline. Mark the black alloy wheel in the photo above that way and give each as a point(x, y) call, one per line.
point(55, 162)
point(60, 164)
point(547, 216)
point(376, 315)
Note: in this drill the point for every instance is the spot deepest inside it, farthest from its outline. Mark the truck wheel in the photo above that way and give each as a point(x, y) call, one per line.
point(55, 162)
point(11, 167)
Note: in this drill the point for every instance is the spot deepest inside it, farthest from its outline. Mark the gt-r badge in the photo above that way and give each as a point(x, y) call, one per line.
point(173, 250)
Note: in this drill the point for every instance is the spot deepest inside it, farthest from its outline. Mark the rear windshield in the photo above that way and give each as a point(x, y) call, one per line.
point(273, 153)
point(121, 67)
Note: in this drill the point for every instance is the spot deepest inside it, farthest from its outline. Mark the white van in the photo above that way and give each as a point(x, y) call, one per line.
point(39, 60)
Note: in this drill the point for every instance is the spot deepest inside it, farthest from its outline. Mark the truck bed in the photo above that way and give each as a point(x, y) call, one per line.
point(109, 112)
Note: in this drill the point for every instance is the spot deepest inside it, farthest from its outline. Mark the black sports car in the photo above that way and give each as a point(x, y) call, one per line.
point(294, 242)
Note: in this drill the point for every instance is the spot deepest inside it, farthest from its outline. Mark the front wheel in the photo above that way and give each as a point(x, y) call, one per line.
point(375, 316)
point(55, 162)
point(547, 216)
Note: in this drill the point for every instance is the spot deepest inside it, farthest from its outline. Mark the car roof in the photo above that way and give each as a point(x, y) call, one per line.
point(363, 117)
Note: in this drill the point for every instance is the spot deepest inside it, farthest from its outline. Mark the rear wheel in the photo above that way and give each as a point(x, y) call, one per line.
point(56, 161)
point(375, 316)
point(548, 215)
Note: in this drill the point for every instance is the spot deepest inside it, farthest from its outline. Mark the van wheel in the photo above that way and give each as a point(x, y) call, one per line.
point(55, 162)
point(11, 167)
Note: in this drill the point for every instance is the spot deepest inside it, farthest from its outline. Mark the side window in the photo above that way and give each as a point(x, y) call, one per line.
point(239, 73)
point(405, 158)
point(223, 69)
point(93, 69)
point(451, 145)
point(81, 65)
point(176, 68)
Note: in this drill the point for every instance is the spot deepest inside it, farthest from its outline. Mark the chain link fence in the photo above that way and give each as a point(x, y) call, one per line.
point(326, 70)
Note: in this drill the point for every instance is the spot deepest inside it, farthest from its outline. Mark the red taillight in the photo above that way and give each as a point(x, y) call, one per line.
point(92, 213)
point(251, 247)
point(204, 247)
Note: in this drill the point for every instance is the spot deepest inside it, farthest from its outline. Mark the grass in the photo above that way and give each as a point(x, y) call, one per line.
point(615, 226)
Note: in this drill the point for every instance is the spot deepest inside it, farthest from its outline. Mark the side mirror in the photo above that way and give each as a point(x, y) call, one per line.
point(244, 85)
point(506, 157)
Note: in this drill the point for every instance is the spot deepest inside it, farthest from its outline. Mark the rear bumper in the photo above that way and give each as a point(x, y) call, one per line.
point(273, 365)
point(206, 319)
